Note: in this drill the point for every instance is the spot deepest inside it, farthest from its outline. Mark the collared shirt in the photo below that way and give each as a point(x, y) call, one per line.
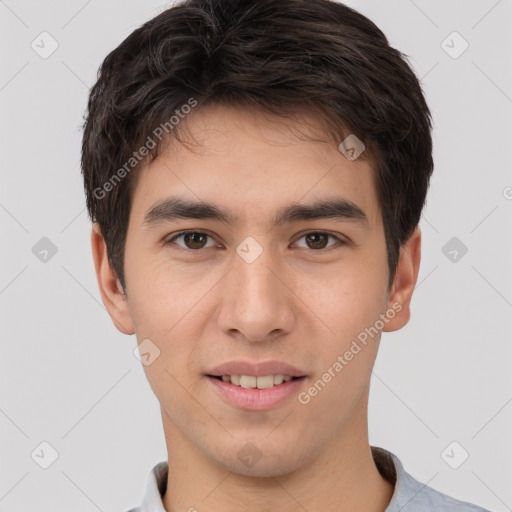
point(409, 495)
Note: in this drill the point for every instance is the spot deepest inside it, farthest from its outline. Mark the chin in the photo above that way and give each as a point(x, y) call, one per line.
point(264, 462)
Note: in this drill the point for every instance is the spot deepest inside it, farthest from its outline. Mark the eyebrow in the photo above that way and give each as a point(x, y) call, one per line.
point(173, 208)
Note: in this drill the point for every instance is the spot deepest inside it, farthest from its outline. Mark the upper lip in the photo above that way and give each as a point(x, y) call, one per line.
point(255, 369)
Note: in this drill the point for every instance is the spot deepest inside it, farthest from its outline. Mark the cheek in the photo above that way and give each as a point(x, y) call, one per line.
point(347, 356)
point(351, 305)
point(157, 294)
point(167, 306)
point(350, 302)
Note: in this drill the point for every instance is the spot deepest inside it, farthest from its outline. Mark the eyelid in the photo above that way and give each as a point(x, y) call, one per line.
point(341, 241)
point(173, 237)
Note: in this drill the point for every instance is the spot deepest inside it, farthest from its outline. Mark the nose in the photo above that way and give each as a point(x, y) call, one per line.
point(257, 301)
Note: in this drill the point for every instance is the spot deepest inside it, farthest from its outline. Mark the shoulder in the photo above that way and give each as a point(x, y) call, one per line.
point(430, 499)
point(156, 485)
point(419, 497)
point(410, 495)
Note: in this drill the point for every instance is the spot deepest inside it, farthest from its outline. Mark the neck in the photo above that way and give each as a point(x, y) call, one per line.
point(342, 478)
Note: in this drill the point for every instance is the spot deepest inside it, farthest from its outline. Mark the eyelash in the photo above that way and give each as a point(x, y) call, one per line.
point(189, 231)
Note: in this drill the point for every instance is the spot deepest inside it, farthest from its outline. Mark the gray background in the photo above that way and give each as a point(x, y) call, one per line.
point(69, 378)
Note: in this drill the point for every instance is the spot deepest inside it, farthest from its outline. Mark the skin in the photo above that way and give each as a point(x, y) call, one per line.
point(295, 303)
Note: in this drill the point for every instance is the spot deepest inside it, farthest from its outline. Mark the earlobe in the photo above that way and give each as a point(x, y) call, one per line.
point(112, 293)
point(404, 282)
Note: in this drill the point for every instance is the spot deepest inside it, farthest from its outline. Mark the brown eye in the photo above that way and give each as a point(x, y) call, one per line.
point(193, 240)
point(318, 240)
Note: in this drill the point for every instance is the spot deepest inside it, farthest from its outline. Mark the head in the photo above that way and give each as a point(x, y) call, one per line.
point(227, 118)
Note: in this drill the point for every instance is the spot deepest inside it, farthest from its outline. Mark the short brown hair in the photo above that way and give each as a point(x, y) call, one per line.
point(279, 56)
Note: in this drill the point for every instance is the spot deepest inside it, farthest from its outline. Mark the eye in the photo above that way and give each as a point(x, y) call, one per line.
point(318, 240)
point(193, 240)
point(196, 240)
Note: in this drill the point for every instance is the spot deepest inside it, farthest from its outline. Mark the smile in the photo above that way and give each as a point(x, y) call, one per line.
point(252, 382)
point(255, 393)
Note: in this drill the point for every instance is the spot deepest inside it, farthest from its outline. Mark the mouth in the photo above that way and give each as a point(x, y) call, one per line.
point(253, 382)
point(255, 385)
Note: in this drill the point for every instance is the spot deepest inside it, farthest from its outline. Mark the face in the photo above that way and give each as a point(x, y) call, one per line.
point(270, 285)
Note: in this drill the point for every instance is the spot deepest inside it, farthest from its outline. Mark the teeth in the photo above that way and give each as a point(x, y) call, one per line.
point(265, 382)
point(248, 382)
point(278, 379)
point(251, 382)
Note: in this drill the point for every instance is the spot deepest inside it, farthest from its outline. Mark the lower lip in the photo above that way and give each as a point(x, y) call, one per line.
point(256, 399)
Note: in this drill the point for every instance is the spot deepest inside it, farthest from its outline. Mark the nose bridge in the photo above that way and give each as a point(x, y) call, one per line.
point(257, 302)
point(255, 281)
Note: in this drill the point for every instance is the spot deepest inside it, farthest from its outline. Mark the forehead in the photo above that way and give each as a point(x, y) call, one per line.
point(254, 163)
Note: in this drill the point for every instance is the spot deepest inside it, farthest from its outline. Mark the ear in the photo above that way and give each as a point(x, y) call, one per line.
point(404, 282)
point(110, 287)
